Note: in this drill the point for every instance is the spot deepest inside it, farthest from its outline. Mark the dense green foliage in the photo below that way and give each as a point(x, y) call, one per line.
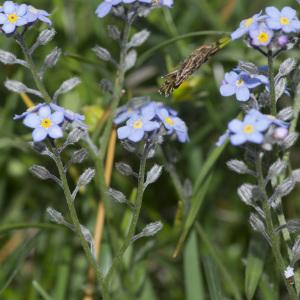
point(212, 264)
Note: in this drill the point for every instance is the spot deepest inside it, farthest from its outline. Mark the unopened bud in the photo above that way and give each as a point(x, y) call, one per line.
point(102, 53)
point(86, 177)
point(117, 195)
point(40, 172)
point(15, 86)
point(7, 57)
point(238, 166)
point(52, 58)
point(46, 36)
point(79, 156)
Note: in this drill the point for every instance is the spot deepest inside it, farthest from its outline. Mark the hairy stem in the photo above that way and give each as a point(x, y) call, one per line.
point(136, 214)
point(28, 57)
point(77, 227)
point(275, 240)
point(272, 82)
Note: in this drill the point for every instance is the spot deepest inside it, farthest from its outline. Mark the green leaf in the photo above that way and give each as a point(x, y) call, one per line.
point(41, 291)
point(254, 266)
point(213, 279)
point(192, 272)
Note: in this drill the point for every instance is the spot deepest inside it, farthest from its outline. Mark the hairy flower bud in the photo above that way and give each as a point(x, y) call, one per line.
point(102, 53)
point(46, 36)
point(52, 58)
point(40, 172)
point(117, 195)
point(86, 177)
point(238, 166)
point(7, 57)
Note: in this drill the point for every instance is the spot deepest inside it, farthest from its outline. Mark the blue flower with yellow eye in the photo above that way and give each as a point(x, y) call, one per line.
point(136, 127)
point(261, 35)
point(45, 124)
point(251, 129)
point(13, 16)
point(285, 20)
point(246, 25)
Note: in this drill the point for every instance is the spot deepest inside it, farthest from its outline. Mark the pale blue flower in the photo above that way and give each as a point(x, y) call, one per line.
point(34, 14)
point(136, 127)
point(261, 35)
point(29, 111)
point(105, 7)
point(45, 124)
point(13, 16)
point(173, 124)
point(246, 25)
point(285, 20)
point(239, 83)
point(251, 129)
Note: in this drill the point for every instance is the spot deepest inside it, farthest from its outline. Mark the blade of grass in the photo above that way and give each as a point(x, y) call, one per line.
point(191, 217)
point(41, 291)
point(213, 279)
point(193, 280)
point(254, 266)
point(229, 281)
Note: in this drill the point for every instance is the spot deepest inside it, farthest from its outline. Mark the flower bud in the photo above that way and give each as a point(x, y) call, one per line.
point(86, 177)
point(46, 36)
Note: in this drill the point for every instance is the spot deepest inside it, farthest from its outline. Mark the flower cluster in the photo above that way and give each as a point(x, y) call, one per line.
point(149, 118)
point(254, 128)
point(48, 120)
point(274, 27)
point(239, 83)
point(13, 15)
point(106, 6)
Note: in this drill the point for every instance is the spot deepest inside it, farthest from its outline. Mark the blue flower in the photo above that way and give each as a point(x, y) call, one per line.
point(251, 129)
point(167, 3)
point(285, 20)
point(246, 25)
point(136, 127)
point(261, 35)
point(239, 83)
point(34, 14)
point(13, 16)
point(70, 115)
point(45, 124)
point(173, 124)
point(269, 118)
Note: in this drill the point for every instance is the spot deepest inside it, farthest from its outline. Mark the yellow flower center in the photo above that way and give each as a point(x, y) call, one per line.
point(248, 22)
point(12, 18)
point(239, 82)
point(248, 129)
point(169, 121)
point(138, 124)
point(46, 123)
point(284, 21)
point(263, 37)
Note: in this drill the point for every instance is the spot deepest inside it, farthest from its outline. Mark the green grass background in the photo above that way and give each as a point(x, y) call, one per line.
point(48, 263)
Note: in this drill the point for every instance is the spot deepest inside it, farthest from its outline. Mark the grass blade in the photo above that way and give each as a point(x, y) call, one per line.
point(192, 272)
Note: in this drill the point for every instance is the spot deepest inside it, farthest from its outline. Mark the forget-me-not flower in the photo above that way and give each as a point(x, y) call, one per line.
point(251, 129)
point(246, 25)
point(30, 110)
point(13, 16)
point(261, 35)
point(45, 124)
point(136, 127)
point(285, 20)
point(239, 84)
point(173, 124)
point(105, 7)
point(34, 14)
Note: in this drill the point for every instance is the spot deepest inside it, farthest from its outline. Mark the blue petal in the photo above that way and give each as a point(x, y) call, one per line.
point(151, 126)
point(273, 24)
point(9, 7)
point(182, 137)
point(123, 132)
point(3, 18)
point(39, 134)
point(21, 10)
point(231, 77)
point(243, 94)
point(238, 139)
point(289, 12)
point(44, 111)
point(55, 132)
point(136, 135)
point(227, 90)
point(103, 9)
point(9, 28)
point(273, 12)
point(57, 117)
point(235, 126)
point(239, 33)
point(32, 121)
point(256, 138)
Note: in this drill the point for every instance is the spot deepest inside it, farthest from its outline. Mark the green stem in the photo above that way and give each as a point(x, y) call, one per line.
point(275, 240)
point(28, 57)
point(19, 226)
point(92, 261)
point(272, 83)
point(136, 214)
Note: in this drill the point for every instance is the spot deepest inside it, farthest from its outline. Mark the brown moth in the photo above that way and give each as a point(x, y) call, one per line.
point(190, 65)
